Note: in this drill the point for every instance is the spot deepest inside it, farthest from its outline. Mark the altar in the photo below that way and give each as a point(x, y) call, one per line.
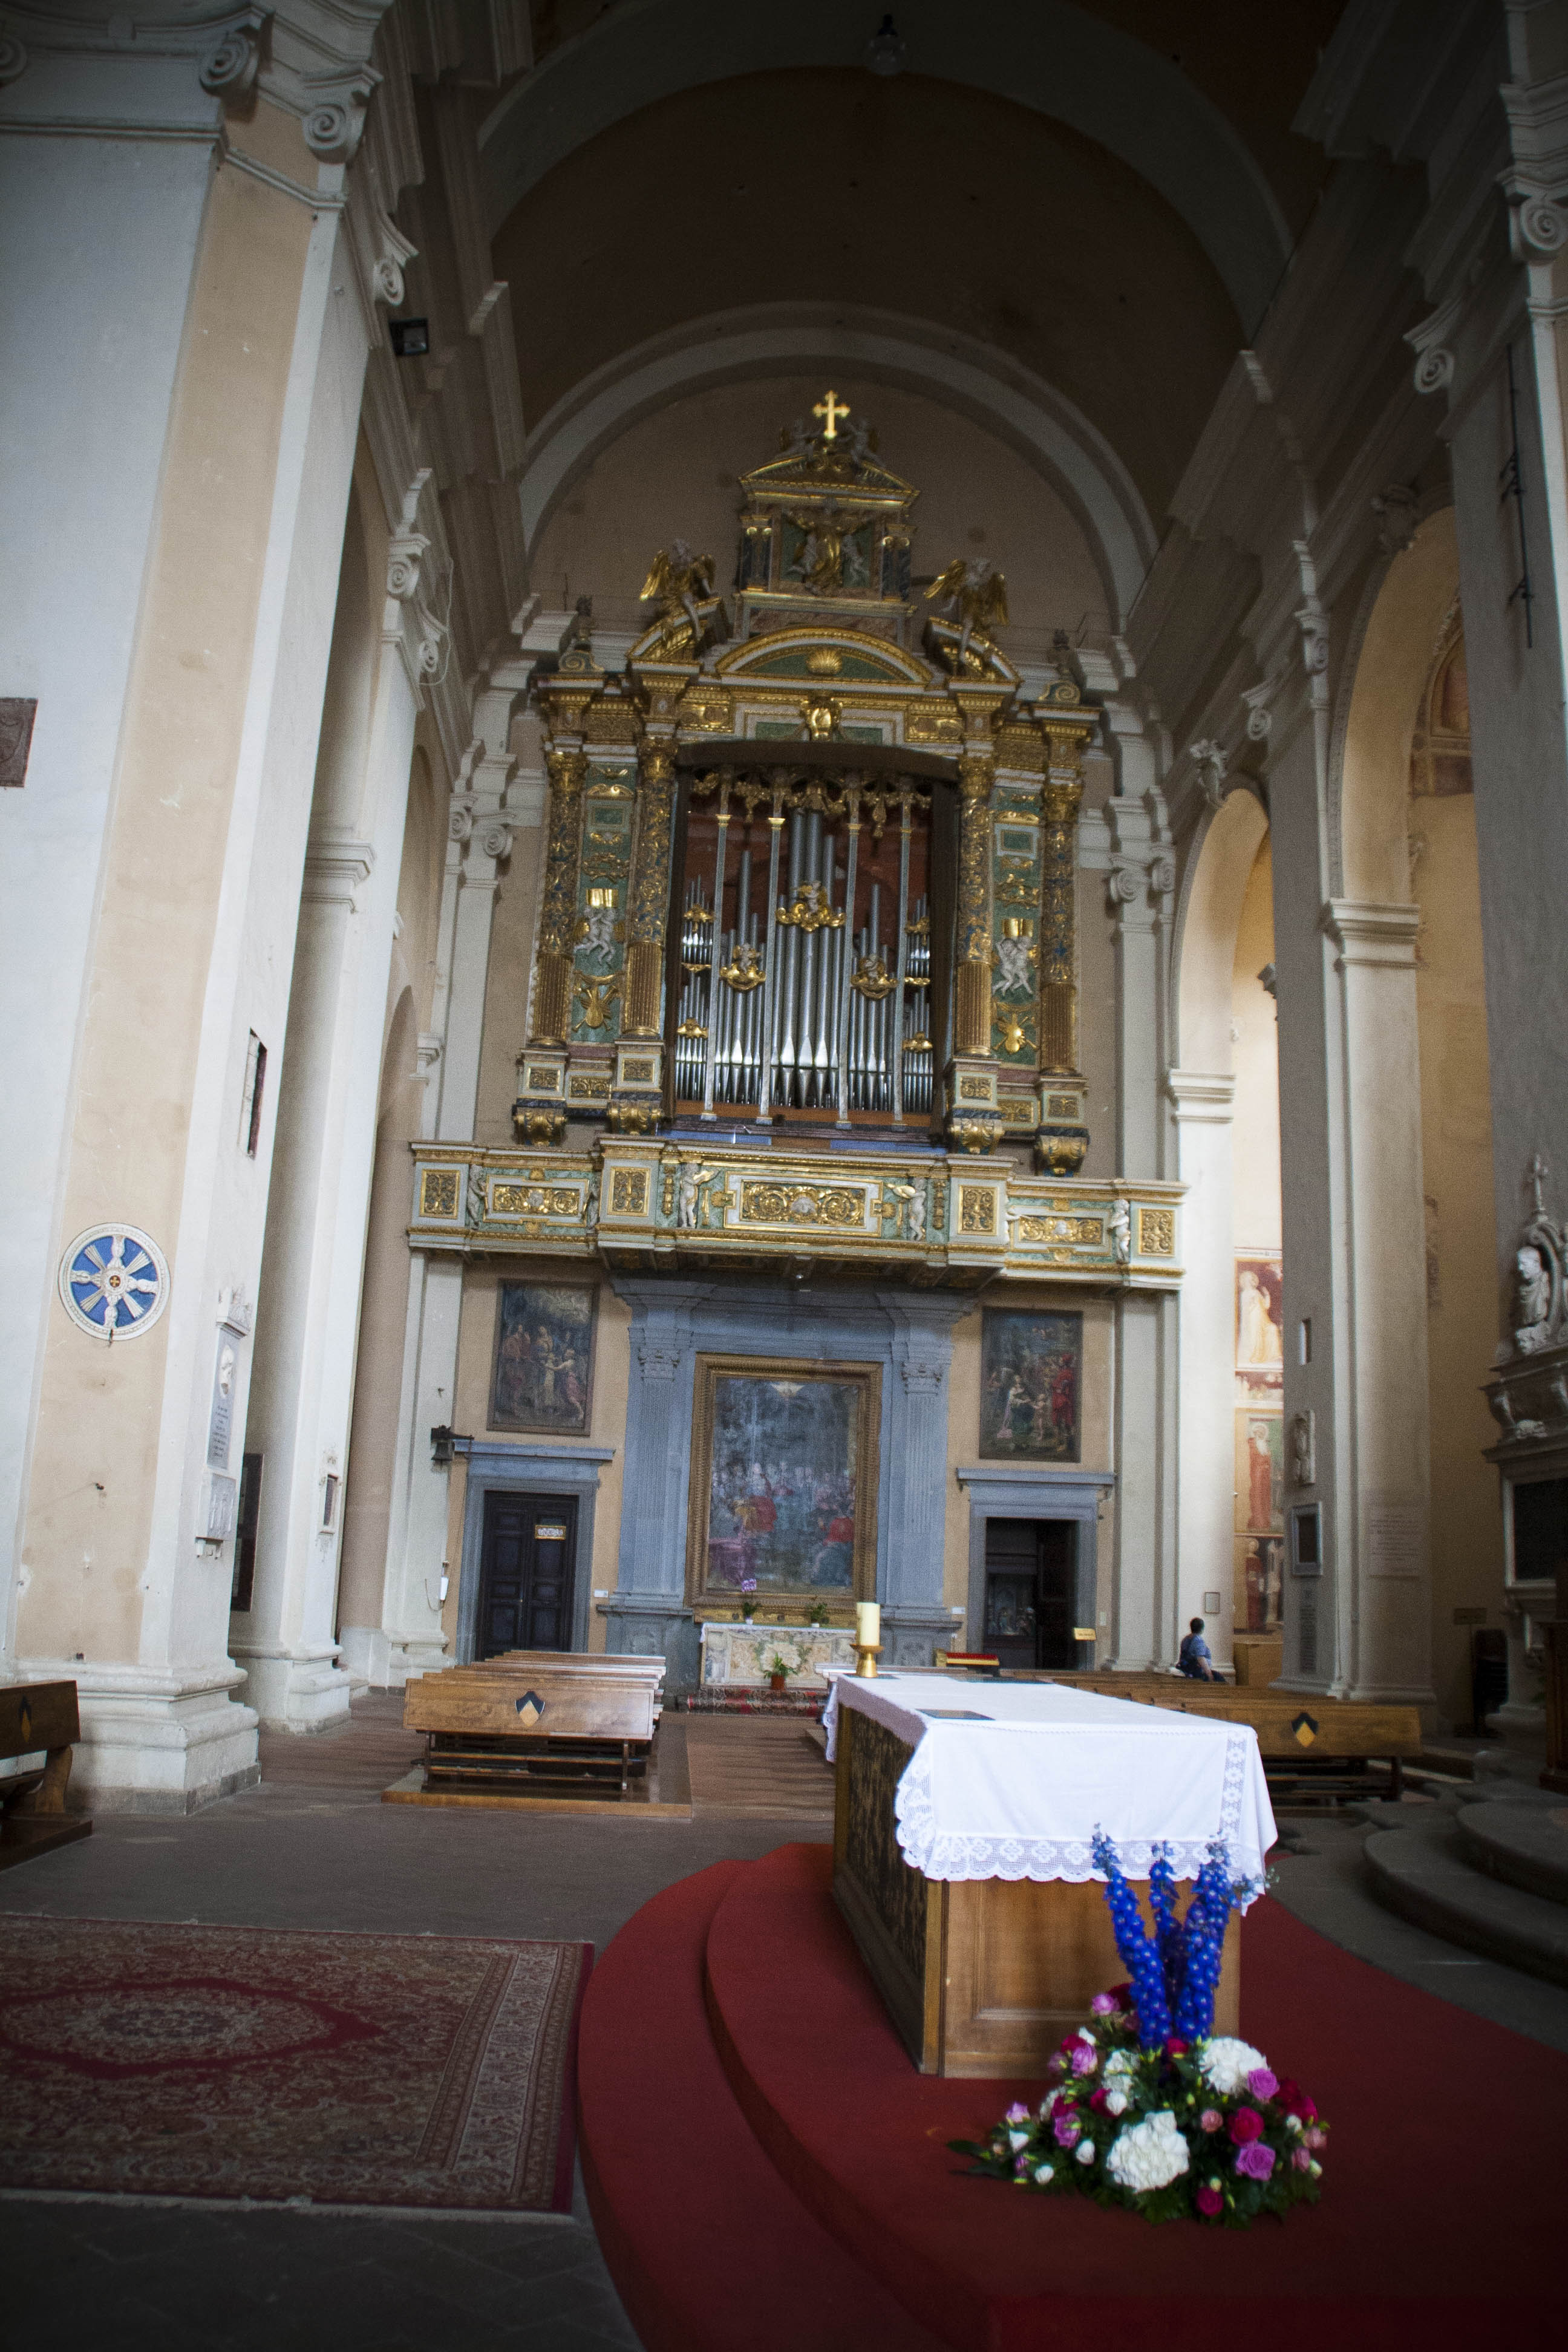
point(739, 1658)
point(963, 1819)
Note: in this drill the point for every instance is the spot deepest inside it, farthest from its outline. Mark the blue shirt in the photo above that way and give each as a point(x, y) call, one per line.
point(1193, 1648)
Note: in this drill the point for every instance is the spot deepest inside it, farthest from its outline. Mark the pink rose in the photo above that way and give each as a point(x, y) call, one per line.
point(1255, 2160)
point(1096, 2100)
point(1302, 2160)
point(1017, 2113)
point(1067, 2129)
point(1263, 2083)
point(1174, 2046)
point(1103, 2005)
point(1084, 2060)
point(1210, 2120)
point(1208, 2200)
point(1245, 2126)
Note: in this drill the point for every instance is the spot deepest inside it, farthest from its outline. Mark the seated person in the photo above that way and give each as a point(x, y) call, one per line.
point(1193, 1660)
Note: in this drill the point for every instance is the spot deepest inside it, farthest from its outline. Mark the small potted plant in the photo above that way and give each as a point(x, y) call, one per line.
point(779, 1667)
point(748, 1598)
point(818, 1614)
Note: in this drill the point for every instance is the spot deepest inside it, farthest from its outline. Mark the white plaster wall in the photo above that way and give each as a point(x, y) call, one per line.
point(85, 392)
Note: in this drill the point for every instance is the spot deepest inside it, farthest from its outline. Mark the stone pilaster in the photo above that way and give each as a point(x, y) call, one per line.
point(915, 1617)
point(648, 1614)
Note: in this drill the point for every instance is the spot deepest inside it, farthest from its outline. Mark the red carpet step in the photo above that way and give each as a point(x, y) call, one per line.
point(708, 2248)
point(1438, 2223)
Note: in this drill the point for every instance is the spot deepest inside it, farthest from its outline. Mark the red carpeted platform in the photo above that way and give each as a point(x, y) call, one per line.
point(1438, 2222)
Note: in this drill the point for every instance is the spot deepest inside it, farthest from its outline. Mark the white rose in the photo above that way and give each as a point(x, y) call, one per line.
point(1120, 2061)
point(1116, 2103)
point(1018, 2139)
point(1149, 2155)
point(1226, 2064)
point(1044, 2172)
point(1084, 2151)
point(1292, 2123)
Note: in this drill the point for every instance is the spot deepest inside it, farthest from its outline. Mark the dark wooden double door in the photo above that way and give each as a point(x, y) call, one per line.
point(527, 1572)
point(1030, 1593)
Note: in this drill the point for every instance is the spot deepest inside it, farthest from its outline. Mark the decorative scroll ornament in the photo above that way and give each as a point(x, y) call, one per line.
point(12, 59)
point(230, 67)
point(114, 1281)
point(1430, 342)
point(334, 123)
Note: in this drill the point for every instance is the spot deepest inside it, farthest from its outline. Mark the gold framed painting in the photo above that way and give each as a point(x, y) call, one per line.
point(784, 1481)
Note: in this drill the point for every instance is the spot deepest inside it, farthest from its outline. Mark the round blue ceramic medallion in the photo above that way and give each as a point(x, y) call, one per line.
point(114, 1281)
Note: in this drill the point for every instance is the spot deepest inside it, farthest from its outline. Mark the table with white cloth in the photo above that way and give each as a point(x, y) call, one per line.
point(963, 1816)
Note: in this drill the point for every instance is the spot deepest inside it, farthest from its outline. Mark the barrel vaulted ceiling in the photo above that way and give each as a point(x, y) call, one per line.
point(1093, 205)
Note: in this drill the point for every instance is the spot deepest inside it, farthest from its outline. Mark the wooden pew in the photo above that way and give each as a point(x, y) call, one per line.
point(551, 1716)
point(1310, 1747)
point(33, 1816)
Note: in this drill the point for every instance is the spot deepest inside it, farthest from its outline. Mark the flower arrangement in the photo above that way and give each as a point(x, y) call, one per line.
point(1151, 2110)
point(748, 1598)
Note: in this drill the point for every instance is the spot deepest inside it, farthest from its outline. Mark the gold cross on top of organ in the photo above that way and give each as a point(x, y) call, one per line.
point(830, 410)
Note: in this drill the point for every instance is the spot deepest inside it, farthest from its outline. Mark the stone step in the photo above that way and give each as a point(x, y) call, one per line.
point(1420, 1870)
point(1527, 1845)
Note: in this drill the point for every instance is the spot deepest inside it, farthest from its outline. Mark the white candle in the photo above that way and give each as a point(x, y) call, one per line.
point(868, 1624)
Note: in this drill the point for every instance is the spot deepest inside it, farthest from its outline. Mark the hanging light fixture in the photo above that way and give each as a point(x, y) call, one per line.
point(885, 52)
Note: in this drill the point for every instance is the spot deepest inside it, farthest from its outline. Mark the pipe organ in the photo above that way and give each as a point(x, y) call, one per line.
point(811, 852)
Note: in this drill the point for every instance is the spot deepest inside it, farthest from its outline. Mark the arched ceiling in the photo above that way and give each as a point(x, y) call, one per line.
point(943, 205)
point(1195, 96)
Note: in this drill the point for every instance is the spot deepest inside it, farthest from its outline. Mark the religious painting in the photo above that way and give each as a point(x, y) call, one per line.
point(784, 1481)
point(1259, 1323)
point(542, 1374)
point(1259, 1541)
point(1030, 1369)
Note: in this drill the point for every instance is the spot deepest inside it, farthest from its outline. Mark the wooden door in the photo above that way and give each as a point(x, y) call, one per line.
point(527, 1567)
point(1031, 1592)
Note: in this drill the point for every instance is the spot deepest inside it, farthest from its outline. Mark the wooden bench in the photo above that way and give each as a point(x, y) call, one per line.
point(553, 1717)
point(1312, 1747)
point(33, 1817)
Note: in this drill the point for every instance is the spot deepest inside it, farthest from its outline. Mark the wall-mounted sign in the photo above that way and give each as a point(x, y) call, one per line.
point(114, 1281)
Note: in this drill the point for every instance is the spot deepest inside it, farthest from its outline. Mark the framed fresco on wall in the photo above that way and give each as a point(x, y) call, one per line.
point(541, 1374)
point(1259, 1324)
point(784, 1481)
point(1031, 1367)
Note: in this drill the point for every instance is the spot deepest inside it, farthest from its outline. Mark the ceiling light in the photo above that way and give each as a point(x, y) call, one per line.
point(885, 52)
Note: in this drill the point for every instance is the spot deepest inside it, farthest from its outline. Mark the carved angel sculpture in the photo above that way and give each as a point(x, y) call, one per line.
point(678, 581)
point(974, 593)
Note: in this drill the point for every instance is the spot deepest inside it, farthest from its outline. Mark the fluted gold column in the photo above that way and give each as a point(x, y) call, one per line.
point(972, 1033)
point(649, 906)
point(557, 917)
point(1058, 941)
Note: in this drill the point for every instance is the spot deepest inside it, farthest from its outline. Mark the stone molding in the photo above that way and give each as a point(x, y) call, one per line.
point(335, 870)
point(1202, 1097)
point(1371, 932)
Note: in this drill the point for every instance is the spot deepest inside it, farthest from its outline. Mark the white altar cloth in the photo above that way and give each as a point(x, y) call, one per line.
point(1019, 1793)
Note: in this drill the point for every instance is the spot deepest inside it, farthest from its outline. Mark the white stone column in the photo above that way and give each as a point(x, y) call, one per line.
point(1203, 1102)
point(410, 1636)
point(208, 788)
point(1383, 1597)
point(1140, 885)
point(302, 1393)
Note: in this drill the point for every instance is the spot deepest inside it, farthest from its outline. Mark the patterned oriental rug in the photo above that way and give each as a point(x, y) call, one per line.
point(414, 2072)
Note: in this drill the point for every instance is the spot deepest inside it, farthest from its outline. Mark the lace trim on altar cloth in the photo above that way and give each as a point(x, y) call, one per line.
point(948, 1857)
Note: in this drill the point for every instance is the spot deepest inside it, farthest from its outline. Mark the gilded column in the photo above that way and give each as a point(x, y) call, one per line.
point(557, 915)
point(972, 1037)
point(649, 906)
point(1063, 1138)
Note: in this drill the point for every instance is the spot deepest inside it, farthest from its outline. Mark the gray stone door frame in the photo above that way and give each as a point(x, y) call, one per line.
point(497, 1469)
point(1009, 1490)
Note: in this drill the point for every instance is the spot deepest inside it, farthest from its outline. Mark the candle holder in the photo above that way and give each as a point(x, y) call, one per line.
point(866, 1656)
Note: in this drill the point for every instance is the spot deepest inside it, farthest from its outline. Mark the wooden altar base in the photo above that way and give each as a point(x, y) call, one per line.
point(981, 1976)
